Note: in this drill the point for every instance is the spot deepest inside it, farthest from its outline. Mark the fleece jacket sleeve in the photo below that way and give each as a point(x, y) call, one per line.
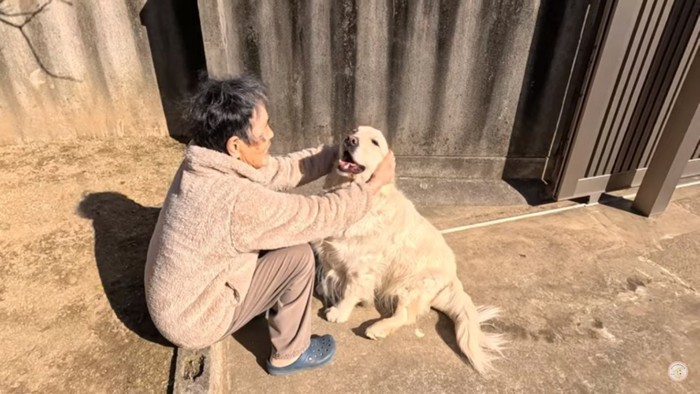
point(299, 168)
point(263, 219)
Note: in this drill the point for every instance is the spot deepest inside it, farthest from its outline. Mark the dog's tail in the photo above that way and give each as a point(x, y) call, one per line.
point(482, 348)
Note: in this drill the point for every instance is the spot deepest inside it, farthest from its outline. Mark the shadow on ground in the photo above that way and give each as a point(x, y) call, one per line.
point(445, 328)
point(123, 229)
point(534, 191)
point(616, 202)
point(255, 337)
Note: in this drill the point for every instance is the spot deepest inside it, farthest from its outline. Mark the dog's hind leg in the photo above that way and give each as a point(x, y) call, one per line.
point(408, 308)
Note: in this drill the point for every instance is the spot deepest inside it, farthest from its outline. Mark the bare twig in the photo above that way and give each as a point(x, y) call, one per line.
point(31, 15)
point(10, 23)
point(11, 14)
point(24, 13)
point(37, 12)
point(41, 64)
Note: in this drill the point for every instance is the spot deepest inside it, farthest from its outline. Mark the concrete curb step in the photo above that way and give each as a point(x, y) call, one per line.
point(201, 371)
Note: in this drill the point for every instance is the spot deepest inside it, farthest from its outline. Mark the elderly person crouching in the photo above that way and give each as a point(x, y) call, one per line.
point(230, 244)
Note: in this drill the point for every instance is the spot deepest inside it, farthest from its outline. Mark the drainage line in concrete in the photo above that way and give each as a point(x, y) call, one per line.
point(540, 213)
point(510, 219)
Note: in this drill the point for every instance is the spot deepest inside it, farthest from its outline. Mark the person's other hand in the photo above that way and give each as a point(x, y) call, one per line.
point(384, 174)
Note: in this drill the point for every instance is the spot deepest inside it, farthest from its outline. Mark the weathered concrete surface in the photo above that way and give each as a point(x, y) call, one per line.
point(596, 299)
point(442, 193)
point(442, 79)
point(81, 69)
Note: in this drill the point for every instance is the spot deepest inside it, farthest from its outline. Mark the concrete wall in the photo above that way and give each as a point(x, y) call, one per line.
point(81, 69)
point(441, 78)
point(465, 90)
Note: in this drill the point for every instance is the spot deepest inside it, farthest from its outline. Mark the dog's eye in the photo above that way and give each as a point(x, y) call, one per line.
point(375, 142)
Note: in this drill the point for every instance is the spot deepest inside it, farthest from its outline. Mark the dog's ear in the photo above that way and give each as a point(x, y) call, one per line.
point(333, 180)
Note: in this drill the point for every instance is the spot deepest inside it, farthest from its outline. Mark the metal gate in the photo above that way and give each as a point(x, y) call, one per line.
point(643, 52)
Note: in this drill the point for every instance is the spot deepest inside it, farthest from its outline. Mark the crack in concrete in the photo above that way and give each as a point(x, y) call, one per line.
point(677, 279)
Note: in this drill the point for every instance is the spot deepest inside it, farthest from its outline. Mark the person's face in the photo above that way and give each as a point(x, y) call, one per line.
point(256, 153)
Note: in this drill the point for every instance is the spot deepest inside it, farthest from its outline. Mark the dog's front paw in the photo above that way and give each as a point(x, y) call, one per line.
point(335, 315)
point(377, 331)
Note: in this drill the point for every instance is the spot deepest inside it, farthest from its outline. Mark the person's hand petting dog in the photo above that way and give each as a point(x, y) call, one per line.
point(384, 174)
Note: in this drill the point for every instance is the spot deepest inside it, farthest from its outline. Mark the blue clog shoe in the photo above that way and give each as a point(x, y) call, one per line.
point(319, 353)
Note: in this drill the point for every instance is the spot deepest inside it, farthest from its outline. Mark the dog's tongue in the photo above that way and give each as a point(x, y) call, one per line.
point(347, 166)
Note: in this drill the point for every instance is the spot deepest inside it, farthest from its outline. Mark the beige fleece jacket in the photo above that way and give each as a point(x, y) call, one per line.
point(218, 214)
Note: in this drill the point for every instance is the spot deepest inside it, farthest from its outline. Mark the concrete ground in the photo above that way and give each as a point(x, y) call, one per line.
point(595, 299)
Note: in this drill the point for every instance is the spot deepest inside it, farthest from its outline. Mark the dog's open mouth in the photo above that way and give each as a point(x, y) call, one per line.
point(347, 164)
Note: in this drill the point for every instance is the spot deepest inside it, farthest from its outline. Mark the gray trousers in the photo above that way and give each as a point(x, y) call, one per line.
point(282, 283)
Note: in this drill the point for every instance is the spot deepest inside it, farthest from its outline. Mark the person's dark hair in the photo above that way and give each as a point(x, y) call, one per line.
point(220, 109)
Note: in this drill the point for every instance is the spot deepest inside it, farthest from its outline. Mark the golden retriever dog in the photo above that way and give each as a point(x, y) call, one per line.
point(395, 255)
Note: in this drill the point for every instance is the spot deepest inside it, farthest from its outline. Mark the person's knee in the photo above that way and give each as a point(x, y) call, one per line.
point(304, 260)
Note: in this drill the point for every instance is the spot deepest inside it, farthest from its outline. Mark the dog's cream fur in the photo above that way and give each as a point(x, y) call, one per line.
point(397, 256)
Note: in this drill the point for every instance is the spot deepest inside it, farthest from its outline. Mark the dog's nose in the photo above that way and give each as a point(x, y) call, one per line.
point(351, 140)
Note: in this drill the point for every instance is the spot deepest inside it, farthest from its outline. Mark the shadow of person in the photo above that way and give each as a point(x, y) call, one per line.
point(123, 230)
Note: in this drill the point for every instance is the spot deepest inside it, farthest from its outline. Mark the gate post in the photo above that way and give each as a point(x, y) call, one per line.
point(676, 144)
